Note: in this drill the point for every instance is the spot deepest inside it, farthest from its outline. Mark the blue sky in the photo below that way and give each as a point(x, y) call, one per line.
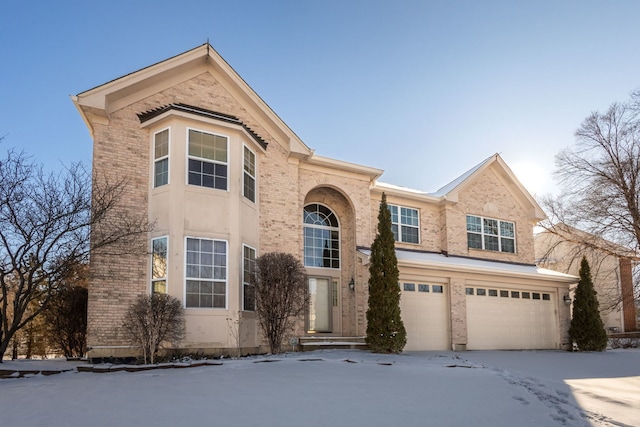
point(422, 89)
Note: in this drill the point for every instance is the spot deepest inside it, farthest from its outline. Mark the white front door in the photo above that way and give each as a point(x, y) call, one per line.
point(319, 304)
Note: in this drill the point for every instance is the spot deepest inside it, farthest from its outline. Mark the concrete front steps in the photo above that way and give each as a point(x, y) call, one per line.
point(331, 342)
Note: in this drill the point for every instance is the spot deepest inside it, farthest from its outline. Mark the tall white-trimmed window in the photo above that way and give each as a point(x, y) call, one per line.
point(208, 162)
point(161, 158)
point(321, 237)
point(405, 224)
point(159, 265)
point(249, 178)
point(248, 269)
point(491, 234)
point(206, 273)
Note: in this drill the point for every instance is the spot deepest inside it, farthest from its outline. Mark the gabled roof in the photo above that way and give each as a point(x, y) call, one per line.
point(461, 179)
point(95, 105)
point(450, 191)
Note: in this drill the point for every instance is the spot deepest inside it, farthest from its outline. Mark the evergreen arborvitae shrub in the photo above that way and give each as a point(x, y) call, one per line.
point(385, 329)
point(587, 329)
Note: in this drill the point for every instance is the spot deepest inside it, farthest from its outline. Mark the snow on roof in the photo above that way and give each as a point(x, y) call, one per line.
point(397, 187)
point(440, 261)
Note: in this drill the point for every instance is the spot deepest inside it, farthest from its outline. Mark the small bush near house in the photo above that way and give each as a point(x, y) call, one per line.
point(281, 295)
point(152, 321)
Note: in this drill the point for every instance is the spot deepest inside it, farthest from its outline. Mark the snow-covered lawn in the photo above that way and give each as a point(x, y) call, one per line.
point(340, 388)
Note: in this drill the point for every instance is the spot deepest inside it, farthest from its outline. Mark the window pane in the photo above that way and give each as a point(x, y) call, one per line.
point(321, 237)
point(409, 287)
point(249, 187)
point(490, 226)
point(161, 174)
point(474, 224)
point(206, 260)
point(491, 243)
point(160, 286)
point(437, 289)
point(493, 292)
point(506, 229)
point(409, 234)
point(423, 288)
point(504, 294)
point(159, 258)
point(469, 291)
point(481, 291)
point(515, 294)
point(161, 144)
point(508, 245)
point(474, 241)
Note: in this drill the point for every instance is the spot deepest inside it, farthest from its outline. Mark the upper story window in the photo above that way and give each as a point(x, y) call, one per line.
point(491, 234)
point(249, 178)
point(405, 224)
point(161, 158)
point(207, 160)
point(159, 265)
point(321, 237)
point(248, 269)
point(206, 273)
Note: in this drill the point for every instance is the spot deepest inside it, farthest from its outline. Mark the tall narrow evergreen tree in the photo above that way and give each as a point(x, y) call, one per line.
point(385, 329)
point(587, 329)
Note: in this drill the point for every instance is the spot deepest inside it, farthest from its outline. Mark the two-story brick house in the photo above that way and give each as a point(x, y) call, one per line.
point(224, 179)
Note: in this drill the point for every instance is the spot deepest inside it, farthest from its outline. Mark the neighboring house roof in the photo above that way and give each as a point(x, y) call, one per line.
point(95, 105)
point(439, 261)
point(562, 232)
point(148, 115)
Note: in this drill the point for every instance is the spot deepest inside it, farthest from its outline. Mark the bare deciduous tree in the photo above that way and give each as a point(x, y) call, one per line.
point(66, 314)
point(152, 321)
point(600, 178)
point(281, 295)
point(49, 222)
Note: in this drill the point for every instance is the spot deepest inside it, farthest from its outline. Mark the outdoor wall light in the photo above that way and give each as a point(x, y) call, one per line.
point(567, 299)
point(352, 285)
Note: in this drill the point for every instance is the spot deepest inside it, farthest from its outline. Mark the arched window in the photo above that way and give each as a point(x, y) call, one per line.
point(321, 237)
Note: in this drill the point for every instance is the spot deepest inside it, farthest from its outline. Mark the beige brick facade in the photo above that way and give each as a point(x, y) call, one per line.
point(289, 177)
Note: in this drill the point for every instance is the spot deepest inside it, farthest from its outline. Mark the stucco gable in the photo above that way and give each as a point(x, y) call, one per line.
point(97, 104)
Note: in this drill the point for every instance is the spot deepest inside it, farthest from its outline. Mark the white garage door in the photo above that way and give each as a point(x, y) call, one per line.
point(509, 319)
point(425, 315)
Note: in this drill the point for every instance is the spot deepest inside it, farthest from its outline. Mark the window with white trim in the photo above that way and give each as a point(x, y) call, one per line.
point(206, 273)
point(321, 237)
point(249, 177)
point(248, 269)
point(207, 164)
point(491, 234)
point(161, 158)
point(159, 265)
point(405, 224)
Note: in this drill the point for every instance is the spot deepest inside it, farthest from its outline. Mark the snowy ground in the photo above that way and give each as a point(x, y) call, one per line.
point(340, 388)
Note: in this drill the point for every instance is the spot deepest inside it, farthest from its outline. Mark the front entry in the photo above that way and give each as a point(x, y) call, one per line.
point(319, 304)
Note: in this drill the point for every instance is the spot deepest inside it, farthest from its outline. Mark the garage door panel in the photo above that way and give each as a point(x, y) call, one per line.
point(510, 323)
point(425, 316)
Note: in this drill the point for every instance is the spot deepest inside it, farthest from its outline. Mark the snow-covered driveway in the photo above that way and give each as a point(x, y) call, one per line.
point(341, 388)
